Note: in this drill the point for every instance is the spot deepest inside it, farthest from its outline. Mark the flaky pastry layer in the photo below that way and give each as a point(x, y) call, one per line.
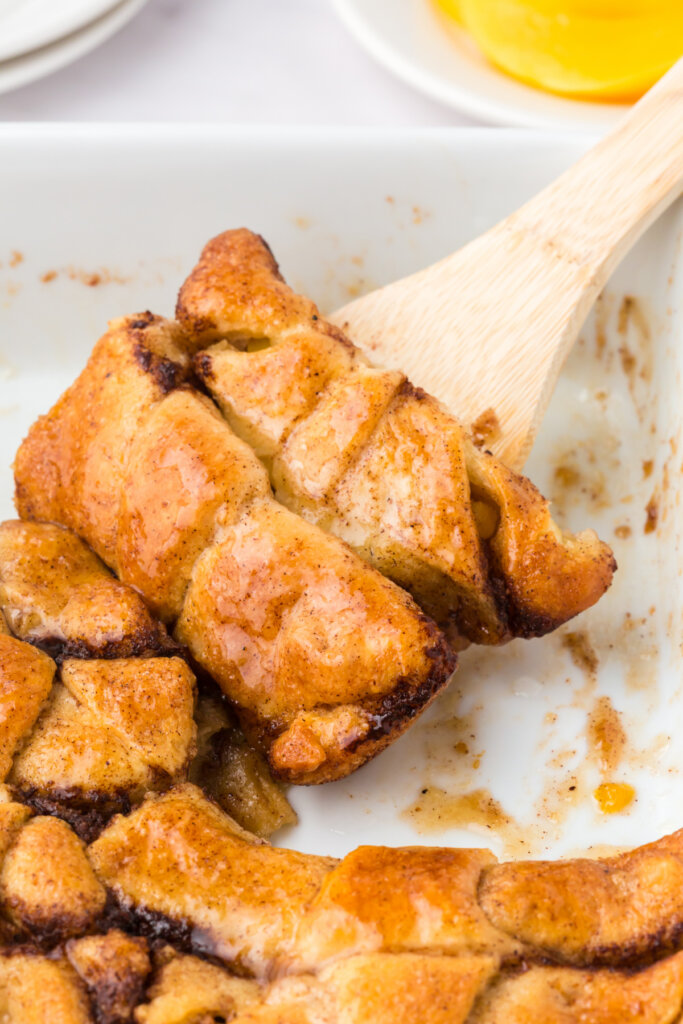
point(85, 737)
point(57, 594)
point(374, 460)
point(177, 915)
point(324, 660)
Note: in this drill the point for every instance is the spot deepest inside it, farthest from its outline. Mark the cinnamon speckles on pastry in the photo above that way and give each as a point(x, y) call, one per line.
point(203, 921)
point(286, 618)
point(376, 461)
point(56, 594)
point(87, 737)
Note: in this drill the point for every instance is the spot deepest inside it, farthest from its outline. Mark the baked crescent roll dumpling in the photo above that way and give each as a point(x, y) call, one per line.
point(324, 659)
point(589, 912)
point(195, 877)
point(48, 890)
point(376, 461)
point(405, 936)
point(38, 989)
point(53, 969)
point(109, 730)
point(185, 988)
point(560, 995)
point(407, 988)
point(56, 593)
point(271, 910)
point(47, 885)
point(94, 736)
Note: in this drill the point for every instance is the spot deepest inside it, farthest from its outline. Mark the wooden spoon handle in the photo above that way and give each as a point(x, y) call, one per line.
point(490, 326)
point(597, 209)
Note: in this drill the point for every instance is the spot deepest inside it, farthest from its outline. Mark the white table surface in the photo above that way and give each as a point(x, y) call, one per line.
point(239, 61)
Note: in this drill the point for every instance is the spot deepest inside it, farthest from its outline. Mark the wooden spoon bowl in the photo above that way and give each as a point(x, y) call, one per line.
point(490, 327)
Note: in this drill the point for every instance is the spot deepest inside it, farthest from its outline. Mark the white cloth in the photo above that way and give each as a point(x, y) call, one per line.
point(239, 61)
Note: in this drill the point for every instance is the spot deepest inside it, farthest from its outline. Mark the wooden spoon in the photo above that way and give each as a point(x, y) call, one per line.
point(491, 326)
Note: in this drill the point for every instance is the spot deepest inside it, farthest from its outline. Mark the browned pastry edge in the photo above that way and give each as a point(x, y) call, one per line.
point(390, 715)
point(217, 553)
point(86, 811)
point(56, 594)
point(161, 646)
point(280, 372)
point(97, 709)
point(583, 913)
point(384, 936)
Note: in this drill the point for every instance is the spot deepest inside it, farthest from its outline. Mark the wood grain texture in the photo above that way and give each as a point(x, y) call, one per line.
point(491, 325)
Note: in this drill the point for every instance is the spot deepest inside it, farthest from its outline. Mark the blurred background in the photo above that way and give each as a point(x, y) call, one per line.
point(542, 63)
point(242, 61)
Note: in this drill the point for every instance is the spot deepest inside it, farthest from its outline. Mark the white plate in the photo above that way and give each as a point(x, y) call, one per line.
point(44, 61)
point(104, 221)
point(409, 38)
point(27, 24)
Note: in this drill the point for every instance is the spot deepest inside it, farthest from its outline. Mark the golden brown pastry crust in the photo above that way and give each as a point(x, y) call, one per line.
point(397, 936)
point(380, 900)
point(54, 896)
point(57, 594)
point(26, 677)
point(589, 912)
point(40, 990)
point(250, 907)
point(114, 967)
point(369, 457)
point(560, 995)
point(110, 732)
point(324, 659)
point(185, 988)
point(90, 737)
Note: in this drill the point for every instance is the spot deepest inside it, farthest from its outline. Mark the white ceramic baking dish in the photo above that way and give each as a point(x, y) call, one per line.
point(100, 221)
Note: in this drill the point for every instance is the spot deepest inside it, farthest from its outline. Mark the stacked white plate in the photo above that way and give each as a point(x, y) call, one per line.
point(38, 37)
